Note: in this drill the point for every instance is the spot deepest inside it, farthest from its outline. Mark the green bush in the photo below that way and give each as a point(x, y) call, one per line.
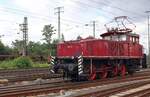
point(23, 62)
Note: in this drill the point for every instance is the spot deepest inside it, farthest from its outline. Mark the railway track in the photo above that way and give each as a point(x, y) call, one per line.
point(14, 75)
point(109, 89)
point(135, 86)
point(55, 87)
point(12, 72)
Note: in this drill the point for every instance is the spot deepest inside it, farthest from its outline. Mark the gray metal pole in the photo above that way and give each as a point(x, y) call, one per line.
point(148, 22)
point(58, 12)
point(94, 29)
point(148, 37)
point(26, 35)
point(59, 24)
point(24, 29)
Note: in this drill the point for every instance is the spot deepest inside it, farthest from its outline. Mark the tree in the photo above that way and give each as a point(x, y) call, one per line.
point(48, 31)
point(4, 50)
point(37, 49)
point(54, 47)
point(18, 46)
point(55, 41)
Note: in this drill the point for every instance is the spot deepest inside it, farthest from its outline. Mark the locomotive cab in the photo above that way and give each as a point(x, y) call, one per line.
point(123, 35)
point(132, 37)
point(120, 35)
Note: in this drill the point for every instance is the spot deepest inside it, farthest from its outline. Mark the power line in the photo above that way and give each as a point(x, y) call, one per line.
point(47, 17)
point(106, 11)
point(73, 12)
point(91, 6)
point(88, 5)
point(63, 21)
point(36, 15)
point(115, 7)
point(124, 10)
point(93, 25)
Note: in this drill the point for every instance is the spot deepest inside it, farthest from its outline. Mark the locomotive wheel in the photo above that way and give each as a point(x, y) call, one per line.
point(115, 71)
point(103, 72)
point(122, 70)
point(93, 73)
point(93, 76)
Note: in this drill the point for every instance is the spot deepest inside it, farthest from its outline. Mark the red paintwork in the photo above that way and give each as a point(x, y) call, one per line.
point(100, 48)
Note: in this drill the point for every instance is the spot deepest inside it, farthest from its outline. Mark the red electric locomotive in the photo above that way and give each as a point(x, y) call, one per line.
point(117, 53)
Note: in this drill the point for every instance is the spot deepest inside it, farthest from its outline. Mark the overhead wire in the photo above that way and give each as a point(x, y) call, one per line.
point(36, 15)
point(116, 7)
point(47, 18)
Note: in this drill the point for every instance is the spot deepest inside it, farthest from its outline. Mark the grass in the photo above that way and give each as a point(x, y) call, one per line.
point(10, 64)
point(7, 65)
point(40, 65)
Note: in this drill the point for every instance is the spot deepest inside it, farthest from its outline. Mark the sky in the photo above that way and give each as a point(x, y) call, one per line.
point(76, 13)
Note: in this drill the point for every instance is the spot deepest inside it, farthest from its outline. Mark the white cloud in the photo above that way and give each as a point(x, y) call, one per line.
point(141, 29)
point(36, 6)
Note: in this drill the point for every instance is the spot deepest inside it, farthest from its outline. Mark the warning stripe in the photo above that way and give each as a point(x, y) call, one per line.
point(80, 63)
point(52, 63)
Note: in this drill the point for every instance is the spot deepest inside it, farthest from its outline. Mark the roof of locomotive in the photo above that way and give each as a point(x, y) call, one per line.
point(80, 40)
point(108, 33)
point(119, 32)
point(102, 35)
point(113, 32)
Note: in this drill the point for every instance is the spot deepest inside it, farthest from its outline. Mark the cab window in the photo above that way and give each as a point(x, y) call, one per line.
point(116, 37)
